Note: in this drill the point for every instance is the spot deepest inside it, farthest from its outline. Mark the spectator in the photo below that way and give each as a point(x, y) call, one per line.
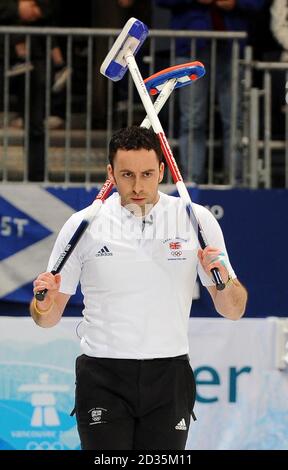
point(11, 12)
point(269, 40)
point(210, 15)
point(279, 25)
point(44, 11)
point(30, 13)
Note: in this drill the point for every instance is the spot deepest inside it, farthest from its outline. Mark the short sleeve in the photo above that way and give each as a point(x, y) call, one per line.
point(70, 273)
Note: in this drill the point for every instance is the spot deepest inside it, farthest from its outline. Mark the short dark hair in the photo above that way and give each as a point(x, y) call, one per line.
point(46, 8)
point(134, 138)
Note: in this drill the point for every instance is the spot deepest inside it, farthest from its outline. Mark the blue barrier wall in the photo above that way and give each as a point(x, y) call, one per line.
point(254, 223)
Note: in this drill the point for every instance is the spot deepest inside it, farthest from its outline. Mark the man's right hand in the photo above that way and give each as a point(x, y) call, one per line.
point(50, 282)
point(48, 312)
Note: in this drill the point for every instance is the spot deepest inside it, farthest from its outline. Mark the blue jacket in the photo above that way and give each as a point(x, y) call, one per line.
point(191, 15)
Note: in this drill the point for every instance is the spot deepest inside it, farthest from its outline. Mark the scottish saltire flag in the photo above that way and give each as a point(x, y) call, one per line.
point(31, 217)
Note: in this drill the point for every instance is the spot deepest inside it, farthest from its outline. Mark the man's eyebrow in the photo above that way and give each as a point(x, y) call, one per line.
point(130, 171)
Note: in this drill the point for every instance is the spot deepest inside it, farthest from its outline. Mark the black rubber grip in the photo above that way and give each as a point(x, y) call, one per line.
point(40, 295)
point(217, 279)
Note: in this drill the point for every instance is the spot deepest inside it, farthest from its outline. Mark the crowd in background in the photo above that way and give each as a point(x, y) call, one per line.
point(265, 21)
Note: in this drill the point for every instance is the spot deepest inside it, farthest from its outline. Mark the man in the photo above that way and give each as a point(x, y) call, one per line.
point(29, 13)
point(137, 264)
point(215, 16)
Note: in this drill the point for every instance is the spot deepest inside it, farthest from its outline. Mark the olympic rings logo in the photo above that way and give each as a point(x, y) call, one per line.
point(176, 253)
point(45, 445)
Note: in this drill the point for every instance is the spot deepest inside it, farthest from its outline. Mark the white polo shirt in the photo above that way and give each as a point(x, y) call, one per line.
point(137, 278)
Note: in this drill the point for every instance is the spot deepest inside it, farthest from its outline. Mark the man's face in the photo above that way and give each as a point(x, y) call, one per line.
point(136, 174)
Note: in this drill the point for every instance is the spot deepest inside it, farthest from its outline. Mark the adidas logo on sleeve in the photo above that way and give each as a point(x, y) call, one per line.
point(104, 252)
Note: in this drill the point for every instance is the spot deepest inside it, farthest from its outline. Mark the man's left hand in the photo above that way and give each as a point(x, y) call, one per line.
point(213, 258)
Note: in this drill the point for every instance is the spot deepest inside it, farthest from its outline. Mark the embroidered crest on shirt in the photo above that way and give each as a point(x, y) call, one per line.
point(96, 416)
point(175, 248)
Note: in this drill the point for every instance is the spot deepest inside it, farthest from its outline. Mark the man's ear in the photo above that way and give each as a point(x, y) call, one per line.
point(110, 173)
point(161, 172)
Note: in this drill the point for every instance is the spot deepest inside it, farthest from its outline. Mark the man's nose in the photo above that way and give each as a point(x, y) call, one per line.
point(138, 186)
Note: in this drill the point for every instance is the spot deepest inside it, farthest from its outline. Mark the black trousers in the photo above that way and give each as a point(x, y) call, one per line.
point(127, 404)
